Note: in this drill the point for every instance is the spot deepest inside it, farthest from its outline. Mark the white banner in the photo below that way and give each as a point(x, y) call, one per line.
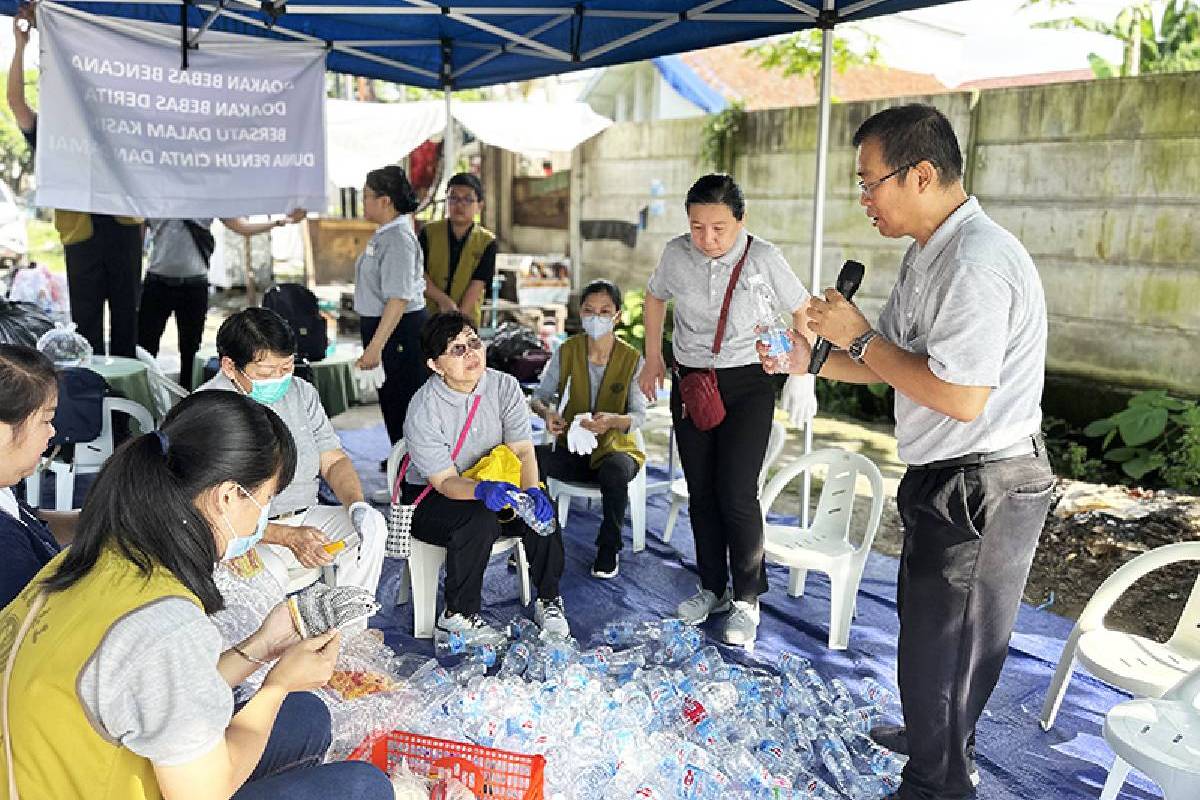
point(122, 129)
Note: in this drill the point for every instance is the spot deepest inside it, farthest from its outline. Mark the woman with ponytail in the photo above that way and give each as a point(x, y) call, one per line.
point(115, 683)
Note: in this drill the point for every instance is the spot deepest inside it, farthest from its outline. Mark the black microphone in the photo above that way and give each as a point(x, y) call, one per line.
point(847, 284)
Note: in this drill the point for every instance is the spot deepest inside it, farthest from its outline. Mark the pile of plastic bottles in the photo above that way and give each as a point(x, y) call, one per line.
point(651, 713)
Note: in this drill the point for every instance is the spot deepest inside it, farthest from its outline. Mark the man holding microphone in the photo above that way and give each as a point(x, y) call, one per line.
point(962, 339)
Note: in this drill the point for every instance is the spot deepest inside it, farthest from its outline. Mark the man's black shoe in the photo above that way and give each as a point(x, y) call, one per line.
point(605, 565)
point(895, 738)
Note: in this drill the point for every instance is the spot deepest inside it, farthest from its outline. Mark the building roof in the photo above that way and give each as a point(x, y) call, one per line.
point(1036, 79)
point(738, 76)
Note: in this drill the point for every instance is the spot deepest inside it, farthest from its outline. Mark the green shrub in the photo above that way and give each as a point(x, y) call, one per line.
point(1069, 453)
point(1158, 433)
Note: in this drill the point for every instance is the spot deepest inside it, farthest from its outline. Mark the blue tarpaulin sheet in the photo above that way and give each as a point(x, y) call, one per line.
point(680, 77)
point(1017, 759)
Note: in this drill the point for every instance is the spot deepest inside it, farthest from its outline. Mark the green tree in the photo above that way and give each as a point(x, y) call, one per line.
point(16, 159)
point(800, 53)
point(1169, 44)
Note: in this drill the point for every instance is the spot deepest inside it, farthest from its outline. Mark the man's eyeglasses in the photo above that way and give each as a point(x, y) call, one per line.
point(459, 349)
point(867, 188)
point(456, 200)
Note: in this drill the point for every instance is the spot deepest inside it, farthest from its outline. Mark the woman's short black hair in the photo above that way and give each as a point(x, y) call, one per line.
point(393, 183)
point(913, 133)
point(601, 286)
point(469, 181)
point(27, 381)
point(717, 188)
point(441, 329)
point(252, 331)
point(143, 500)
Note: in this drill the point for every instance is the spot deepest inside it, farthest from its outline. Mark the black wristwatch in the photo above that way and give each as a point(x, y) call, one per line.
point(858, 347)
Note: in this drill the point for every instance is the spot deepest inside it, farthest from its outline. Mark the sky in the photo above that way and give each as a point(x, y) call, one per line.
point(956, 42)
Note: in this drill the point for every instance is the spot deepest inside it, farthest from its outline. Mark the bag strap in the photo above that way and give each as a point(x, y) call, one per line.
point(462, 438)
point(733, 279)
point(38, 602)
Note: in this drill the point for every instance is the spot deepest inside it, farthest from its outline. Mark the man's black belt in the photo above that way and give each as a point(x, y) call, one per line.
point(193, 280)
point(1030, 445)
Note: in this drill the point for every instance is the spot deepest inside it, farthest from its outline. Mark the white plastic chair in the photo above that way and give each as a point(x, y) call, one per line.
point(1160, 738)
point(826, 544)
point(561, 493)
point(1140, 666)
point(89, 456)
point(166, 391)
point(679, 489)
point(420, 579)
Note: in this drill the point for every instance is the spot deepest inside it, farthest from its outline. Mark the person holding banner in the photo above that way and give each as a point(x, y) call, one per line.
point(176, 281)
point(103, 252)
point(389, 294)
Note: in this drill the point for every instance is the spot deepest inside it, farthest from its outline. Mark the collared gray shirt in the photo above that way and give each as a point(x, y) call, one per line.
point(635, 402)
point(436, 416)
point(301, 410)
point(971, 300)
point(391, 267)
point(173, 251)
point(697, 283)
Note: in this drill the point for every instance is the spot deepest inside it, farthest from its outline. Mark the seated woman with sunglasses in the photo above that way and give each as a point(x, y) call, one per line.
point(461, 413)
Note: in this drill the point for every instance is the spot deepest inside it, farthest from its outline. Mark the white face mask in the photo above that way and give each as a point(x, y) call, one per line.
point(240, 545)
point(596, 326)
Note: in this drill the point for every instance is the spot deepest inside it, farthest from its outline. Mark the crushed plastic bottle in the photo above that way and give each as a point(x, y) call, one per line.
point(771, 331)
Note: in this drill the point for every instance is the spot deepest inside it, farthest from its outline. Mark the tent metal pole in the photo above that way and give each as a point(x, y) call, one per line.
point(818, 223)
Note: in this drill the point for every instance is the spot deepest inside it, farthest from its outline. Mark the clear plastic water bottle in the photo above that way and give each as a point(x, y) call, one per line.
point(516, 660)
point(450, 643)
point(467, 670)
point(838, 763)
point(625, 662)
point(524, 507)
point(843, 703)
point(697, 721)
point(885, 762)
point(771, 331)
point(793, 664)
point(619, 633)
point(875, 692)
point(704, 664)
point(523, 628)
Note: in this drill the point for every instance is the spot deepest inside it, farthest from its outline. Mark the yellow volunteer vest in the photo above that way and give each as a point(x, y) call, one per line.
point(613, 396)
point(438, 263)
point(58, 751)
point(76, 226)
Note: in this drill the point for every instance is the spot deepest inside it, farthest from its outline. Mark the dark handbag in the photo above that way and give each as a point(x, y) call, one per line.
point(698, 390)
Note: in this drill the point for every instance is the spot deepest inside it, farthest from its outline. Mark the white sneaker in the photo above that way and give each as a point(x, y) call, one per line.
point(741, 629)
point(551, 617)
point(696, 608)
point(472, 626)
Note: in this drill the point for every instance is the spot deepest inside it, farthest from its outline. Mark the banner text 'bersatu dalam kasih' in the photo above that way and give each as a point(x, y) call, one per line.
point(122, 129)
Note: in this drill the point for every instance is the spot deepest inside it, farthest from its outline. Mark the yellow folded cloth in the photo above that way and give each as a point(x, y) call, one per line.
point(501, 464)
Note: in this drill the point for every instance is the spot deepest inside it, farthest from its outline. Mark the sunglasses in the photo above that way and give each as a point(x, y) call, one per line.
point(459, 349)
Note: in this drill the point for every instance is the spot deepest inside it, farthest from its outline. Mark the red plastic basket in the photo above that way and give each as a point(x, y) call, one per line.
point(486, 771)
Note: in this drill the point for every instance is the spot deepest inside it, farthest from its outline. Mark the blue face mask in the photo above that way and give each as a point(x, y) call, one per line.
point(240, 545)
point(270, 390)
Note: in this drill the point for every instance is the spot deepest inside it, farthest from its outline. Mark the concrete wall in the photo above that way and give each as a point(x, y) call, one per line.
point(1099, 179)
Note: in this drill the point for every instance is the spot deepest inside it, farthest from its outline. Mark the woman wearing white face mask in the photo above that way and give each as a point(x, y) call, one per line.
point(594, 375)
point(116, 683)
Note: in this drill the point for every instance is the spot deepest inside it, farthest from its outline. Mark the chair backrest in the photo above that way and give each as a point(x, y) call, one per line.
point(1186, 638)
point(1187, 691)
point(90, 456)
point(166, 391)
point(775, 443)
point(393, 463)
point(836, 504)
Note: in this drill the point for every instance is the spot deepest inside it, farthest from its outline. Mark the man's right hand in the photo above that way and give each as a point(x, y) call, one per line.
point(307, 544)
point(651, 378)
point(445, 304)
point(306, 665)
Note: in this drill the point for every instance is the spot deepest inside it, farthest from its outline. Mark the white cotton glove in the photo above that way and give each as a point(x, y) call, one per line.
point(358, 515)
point(319, 608)
point(580, 440)
point(368, 379)
point(799, 399)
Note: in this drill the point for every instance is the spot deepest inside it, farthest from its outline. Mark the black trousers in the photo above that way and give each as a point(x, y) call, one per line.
point(403, 367)
point(468, 530)
point(106, 268)
point(613, 474)
point(721, 467)
point(188, 301)
point(969, 539)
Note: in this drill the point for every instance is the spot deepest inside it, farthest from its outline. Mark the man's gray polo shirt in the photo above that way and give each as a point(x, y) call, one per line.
point(971, 300)
point(697, 283)
point(436, 416)
point(301, 410)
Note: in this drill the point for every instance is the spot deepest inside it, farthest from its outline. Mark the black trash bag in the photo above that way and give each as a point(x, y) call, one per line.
point(22, 323)
point(517, 350)
point(299, 306)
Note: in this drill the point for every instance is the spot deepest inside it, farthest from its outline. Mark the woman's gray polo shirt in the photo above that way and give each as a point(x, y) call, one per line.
point(436, 416)
point(391, 267)
point(697, 283)
point(971, 300)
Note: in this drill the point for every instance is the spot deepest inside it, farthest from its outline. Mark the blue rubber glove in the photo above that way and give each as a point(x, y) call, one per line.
point(543, 509)
point(495, 494)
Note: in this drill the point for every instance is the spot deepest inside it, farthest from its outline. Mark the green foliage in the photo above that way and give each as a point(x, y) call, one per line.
point(1157, 433)
point(871, 402)
point(800, 53)
point(1070, 456)
point(45, 246)
point(16, 159)
point(1171, 45)
point(718, 137)
point(631, 327)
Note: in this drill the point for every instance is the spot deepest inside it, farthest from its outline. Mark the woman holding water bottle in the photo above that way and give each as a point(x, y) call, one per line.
point(729, 288)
